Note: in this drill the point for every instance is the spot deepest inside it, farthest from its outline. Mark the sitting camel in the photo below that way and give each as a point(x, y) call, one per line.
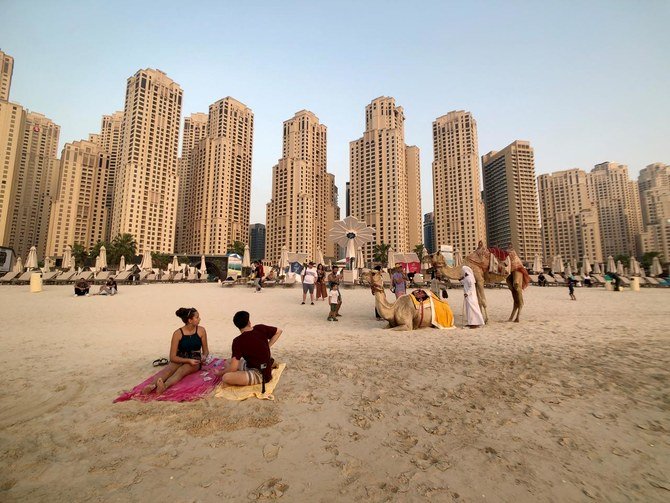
point(478, 261)
point(402, 314)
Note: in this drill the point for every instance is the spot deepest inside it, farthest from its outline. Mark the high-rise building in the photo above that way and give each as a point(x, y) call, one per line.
point(36, 185)
point(617, 199)
point(458, 205)
point(145, 188)
point(257, 241)
point(217, 200)
point(302, 209)
point(6, 71)
point(195, 129)
point(79, 210)
point(12, 125)
point(379, 185)
point(429, 232)
point(569, 219)
point(510, 198)
point(654, 185)
point(414, 195)
point(110, 142)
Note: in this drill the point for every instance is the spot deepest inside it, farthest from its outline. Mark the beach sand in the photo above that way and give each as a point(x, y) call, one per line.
point(571, 404)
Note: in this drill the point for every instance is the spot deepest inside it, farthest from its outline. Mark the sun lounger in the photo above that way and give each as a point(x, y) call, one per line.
point(25, 277)
point(533, 279)
point(65, 277)
point(10, 276)
point(550, 281)
point(123, 277)
point(50, 276)
point(178, 277)
point(269, 284)
point(102, 276)
point(652, 281)
point(559, 279)
point(87, 275)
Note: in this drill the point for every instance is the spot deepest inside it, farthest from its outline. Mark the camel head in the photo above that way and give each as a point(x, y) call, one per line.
point(437, 260)
point(374, 279)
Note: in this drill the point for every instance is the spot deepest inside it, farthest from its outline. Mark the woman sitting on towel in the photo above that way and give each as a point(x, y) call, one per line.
point(187, 352)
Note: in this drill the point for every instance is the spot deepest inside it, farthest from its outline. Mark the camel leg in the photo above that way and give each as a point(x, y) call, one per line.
point(481, 299)
point(402, 328)
point(515, 288)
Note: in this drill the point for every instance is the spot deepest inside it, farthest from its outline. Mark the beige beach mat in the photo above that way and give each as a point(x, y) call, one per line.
point(244, 392)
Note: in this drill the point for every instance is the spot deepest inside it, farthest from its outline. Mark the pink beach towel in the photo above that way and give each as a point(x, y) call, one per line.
point(192, 387)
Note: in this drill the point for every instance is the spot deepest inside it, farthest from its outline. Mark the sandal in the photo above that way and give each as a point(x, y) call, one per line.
point(159, 362)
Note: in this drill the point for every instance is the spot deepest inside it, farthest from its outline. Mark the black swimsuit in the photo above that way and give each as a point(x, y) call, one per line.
point(189, 345)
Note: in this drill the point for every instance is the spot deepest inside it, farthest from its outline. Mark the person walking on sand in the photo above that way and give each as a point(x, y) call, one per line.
point(188, 350)
point(321, 289)
point(251, 361)
point(571, 287)
point(334, 279)
point(473, 314)
point(259, 273)
point(334, 301)
point(308, 281)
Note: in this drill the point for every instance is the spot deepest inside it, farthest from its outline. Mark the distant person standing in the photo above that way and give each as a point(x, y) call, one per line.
point(334, 301)
point(259, 272)
point(321, 289)
point(309, 276)
point(334, 279)
point(398, 281)
point(473, 314)
point(571, 287)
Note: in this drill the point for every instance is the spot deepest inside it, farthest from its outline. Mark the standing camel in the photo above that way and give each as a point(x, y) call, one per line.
point(478, 261)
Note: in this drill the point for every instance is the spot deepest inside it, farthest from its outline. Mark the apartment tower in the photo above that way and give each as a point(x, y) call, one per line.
point(302, 210)
point(458, 206)
point(257, 241)
point(569, 219)
point(217, 202)
point(79, 211)
point(195, 129)
point(36, 185)
point(379, 179)
point(510, 198)
point(110, 142)
point(6, 71)
point(145, 189)
point(654, 186)
point(12, 126)
point(429, 232)
point(617, 199)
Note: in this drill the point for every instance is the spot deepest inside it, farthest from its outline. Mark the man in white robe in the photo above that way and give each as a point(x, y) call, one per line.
point(473, 314)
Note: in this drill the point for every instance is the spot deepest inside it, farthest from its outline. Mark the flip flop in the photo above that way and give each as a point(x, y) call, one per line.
point(159, 362)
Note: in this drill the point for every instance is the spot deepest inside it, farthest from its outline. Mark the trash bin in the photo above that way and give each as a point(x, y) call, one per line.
point(635, 284)
point(608, 286)
point(35, 282)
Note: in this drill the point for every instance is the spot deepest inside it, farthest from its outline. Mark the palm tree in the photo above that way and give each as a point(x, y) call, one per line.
point(381, 253)
point(237, 247)
point(80, 254)
point(420, 250)
point(122, 244)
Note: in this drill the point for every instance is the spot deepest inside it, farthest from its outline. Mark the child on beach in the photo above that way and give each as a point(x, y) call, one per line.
point(188, 350)
point(571, 287)
point(333, 300)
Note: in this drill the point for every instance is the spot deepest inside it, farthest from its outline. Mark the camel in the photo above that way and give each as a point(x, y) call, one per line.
point(401, 315)
point(478, 261)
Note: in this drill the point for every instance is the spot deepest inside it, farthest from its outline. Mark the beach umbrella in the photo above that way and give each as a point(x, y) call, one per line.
point(558, 264)
point(634, 267)
point(203, 266)
point(537, 264)
point(31, 261)
point(246, 259)
point(73, 263)
point(611, 266)
point(103, 257)
point(97, 263)
point(146, 261)
point(596, 268)
point(283, 260)
point(18, 267)
point(619, 268)
point(458, 258)
point(174, 265)
point(568, 270)
point(48, 264)
point(67, 257)
point(319, 256)
point(586, 266)
point(390, 261)
point(359, 257)
point(656, 269)
point(122, 263)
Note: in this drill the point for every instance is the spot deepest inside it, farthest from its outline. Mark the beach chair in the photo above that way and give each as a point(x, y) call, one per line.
point(534, 279)
point(123, 277)
point(87, 275)
point(178, 277)
point(652, 282)
point(10, 276)
point(65, 277)
point(50, 276)
point(25, 277)
point(289, 282)
point(101, 277)
point(560, 281)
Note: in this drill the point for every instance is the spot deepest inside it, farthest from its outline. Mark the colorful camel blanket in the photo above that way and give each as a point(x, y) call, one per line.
point(190, 388)
point(255, 390)
point(441, 315)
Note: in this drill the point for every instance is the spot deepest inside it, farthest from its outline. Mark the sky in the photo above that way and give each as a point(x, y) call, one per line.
point(584, 81)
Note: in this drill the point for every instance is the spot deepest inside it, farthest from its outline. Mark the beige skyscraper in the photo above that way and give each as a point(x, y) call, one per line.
point(217, 201)
point(302, 209)
point(12, 125)
point(458, 206)
point(569, 220)
point(145, 188)
point(195, 129)
point(617, 199)
point(6, 71)
point(110, 142)
point(510, 198)
point(654, 186)
point(79, 211)
point(413, 164)
point(36, 185)
point(379, 189)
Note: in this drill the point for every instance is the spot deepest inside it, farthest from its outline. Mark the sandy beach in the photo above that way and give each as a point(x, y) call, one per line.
point(571, 404)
